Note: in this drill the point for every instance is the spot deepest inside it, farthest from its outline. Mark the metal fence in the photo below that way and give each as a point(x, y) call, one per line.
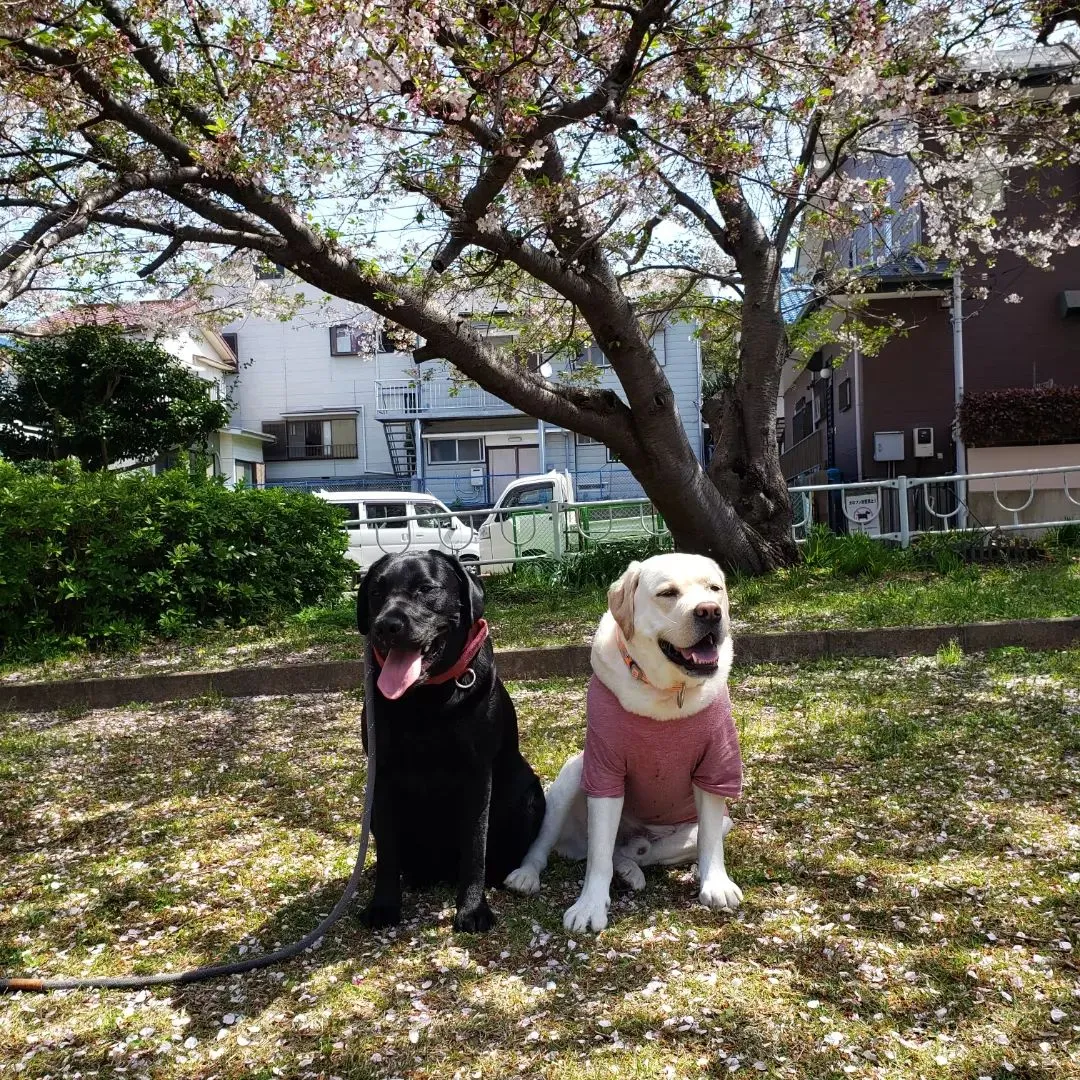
point(498, 541)
point(465, 491)
point(899, 509)
point(896, 510)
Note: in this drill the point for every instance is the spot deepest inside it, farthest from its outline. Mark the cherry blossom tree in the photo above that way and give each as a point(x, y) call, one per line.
point(591, 166)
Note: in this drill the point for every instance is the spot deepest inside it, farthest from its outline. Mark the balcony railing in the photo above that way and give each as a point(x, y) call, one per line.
point(404, 397)
point(807, 455)
point(324, 452)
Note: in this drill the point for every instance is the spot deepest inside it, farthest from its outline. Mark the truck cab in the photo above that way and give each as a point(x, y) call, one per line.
point(520, 525)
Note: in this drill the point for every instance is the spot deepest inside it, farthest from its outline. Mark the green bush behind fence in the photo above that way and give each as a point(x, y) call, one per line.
point(102, 558)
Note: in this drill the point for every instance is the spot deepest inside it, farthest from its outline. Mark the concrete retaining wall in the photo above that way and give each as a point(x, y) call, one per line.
point(562, 660)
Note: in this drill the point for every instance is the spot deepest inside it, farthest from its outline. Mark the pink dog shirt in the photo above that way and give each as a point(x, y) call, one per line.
point(656, 763)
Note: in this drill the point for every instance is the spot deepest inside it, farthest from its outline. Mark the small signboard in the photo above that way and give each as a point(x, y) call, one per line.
point(863, 513)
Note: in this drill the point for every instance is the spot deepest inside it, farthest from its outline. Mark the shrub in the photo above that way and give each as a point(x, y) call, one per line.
point(598, 566)
point(853, 555)
point(1021, 416)
point(103, 558)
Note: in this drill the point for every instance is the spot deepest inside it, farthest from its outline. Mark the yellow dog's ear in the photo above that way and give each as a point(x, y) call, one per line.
point(620, 599)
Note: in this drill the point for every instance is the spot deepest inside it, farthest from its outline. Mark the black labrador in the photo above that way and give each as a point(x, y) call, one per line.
point(455, 802)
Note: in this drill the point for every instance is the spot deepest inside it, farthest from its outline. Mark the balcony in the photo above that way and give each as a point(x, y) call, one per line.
point(309, 453)
point(806, 456)
point(436, 397)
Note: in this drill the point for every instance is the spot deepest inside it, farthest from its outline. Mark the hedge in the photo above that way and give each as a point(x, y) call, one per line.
point(103, 558)
point(1020, 416)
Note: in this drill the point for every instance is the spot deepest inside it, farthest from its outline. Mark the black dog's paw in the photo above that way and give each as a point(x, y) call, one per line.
point(377, 915)
point(475, 920)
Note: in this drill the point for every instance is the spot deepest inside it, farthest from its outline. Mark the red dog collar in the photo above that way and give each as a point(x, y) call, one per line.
point(477, 636)
point(635, 670)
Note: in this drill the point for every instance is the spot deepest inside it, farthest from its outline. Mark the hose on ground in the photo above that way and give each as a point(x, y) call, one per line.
point(279, 956)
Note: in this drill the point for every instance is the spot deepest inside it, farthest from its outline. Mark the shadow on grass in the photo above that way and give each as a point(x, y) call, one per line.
point(879, 794)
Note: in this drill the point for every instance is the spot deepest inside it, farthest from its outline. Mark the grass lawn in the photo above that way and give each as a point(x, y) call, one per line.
point(908, 847)
point(528, 614)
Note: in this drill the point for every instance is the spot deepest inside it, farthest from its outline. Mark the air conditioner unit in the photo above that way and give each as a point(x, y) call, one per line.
point(888, 446)
point(923, 441)
point(1069, 303)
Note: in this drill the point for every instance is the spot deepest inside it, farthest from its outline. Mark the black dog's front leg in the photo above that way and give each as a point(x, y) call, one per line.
point(473, 914)
point(384, 908)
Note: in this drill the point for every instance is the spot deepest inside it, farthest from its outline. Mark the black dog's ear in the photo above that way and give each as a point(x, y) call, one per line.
point(472, 591)
point(363, 597)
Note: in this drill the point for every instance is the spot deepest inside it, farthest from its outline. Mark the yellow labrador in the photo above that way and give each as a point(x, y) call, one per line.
point(661, 755)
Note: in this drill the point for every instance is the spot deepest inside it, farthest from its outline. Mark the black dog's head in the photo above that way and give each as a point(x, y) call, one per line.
point(417, 609)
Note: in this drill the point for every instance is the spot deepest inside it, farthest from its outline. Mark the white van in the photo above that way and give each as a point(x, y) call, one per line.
point(520, 523)
point(390, 522)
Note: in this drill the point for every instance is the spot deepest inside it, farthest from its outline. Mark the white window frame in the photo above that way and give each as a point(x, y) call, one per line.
point(336, 331)
point(458, 459)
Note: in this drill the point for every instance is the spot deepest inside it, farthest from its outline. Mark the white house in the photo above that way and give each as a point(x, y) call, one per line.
point(179, 328)
point(348, 410)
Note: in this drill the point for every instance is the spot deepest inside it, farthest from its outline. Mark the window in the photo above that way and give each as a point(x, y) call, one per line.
point(351, 511)
point(233, 341)
point(595, 355)
point(247, 473)
point(343, 341)
point(300, 440)
point(845, 395)
point(531, 495)
point(431, 516)
point(387, 515)
point(278, 450)
point(588, 440)
point(386, 343)
point(802, 423)
point(266, 270)
point(455, 451)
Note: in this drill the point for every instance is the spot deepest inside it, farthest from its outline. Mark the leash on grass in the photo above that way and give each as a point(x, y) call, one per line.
point(219, 971)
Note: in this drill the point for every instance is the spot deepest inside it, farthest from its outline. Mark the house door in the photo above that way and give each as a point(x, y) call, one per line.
point(507, 463)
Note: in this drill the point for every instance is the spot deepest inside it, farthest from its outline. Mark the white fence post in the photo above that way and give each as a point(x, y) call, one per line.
point(557, 529)
point(905, 523)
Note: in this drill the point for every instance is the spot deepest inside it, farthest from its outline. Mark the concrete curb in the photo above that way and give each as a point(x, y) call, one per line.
point(565, 660)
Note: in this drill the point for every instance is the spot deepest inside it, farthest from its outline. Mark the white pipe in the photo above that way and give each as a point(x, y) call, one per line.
point(856, 361)
point(958, 389)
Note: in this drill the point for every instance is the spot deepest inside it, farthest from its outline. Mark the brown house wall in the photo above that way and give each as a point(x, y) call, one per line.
point(910, 382)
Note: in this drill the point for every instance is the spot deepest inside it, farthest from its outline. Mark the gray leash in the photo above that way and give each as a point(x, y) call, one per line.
point(219, 971)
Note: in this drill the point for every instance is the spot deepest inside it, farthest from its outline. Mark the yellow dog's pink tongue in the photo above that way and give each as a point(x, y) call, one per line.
point(401, 670)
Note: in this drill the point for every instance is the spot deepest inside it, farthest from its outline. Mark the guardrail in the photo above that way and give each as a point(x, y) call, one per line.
point(898, 510)
point(498, 542)
point(407, 397)
point(905, 507)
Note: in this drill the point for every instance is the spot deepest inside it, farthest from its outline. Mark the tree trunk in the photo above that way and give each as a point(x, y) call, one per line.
point(745, 466)
point(701, 518)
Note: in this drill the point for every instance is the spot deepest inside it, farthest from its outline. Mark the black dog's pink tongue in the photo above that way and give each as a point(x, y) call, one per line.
point(401, 669)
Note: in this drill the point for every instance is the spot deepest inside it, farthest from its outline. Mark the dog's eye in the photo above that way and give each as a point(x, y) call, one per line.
point(428, 588)
point(716, 588)
point(668, 592)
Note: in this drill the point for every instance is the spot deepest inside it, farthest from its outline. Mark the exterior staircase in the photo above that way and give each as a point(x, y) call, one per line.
point(401, 442)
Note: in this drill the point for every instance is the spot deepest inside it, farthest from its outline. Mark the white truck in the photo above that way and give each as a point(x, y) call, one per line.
point(520, 525)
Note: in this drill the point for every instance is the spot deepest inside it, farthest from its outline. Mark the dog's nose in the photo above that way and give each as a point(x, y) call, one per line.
point(390, 625)
point(708, 611)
